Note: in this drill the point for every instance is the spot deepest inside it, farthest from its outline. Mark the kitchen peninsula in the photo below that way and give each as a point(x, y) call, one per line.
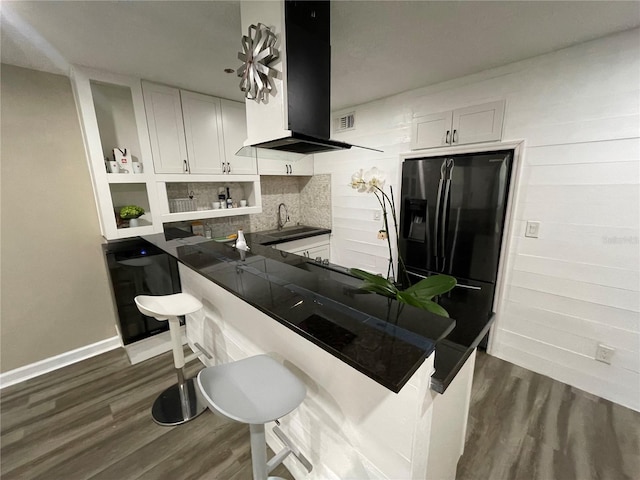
point(366, 360)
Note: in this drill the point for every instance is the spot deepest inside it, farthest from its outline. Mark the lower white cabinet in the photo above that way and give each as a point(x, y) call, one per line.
point(312, 247)
point(474, 124)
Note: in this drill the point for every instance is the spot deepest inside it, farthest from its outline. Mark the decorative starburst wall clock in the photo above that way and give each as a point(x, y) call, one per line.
point(258, 53)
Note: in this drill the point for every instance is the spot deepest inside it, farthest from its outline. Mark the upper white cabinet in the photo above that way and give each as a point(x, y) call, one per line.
point(184, 130)
point(195, 133)
point(282, 166)
point(203, 133)
point(234, 128)
point(478, 123)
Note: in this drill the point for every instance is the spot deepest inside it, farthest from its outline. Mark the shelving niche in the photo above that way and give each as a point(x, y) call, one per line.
point(205, 190)
point(111, 112)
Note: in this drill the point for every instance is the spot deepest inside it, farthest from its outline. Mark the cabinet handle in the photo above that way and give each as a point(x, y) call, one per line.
point(228, 167)
point(446, 139)
point(290, 169)
point(186, 166)
point(224, 167)
point(453, 137)
point(286, 165)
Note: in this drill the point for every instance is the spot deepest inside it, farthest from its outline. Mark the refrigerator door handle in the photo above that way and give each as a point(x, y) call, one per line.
point(461, 285)
point(416, 274)
point(436, 224)
point(445, 209)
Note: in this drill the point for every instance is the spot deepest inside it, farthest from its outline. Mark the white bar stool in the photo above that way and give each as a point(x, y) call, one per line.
point(255, 390)
point(180, 402)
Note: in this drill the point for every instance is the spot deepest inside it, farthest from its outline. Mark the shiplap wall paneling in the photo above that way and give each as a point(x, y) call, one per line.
point(577, 111)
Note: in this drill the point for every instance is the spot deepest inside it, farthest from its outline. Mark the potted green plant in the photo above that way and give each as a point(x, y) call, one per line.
point(420, 294)
point(131, 213)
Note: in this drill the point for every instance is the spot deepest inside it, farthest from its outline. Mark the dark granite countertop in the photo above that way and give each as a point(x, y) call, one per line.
point(382, 338)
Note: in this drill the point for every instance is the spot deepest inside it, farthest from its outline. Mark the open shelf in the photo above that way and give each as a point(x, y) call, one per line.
point(202, 214)
point(186, 199)
point(127, 177)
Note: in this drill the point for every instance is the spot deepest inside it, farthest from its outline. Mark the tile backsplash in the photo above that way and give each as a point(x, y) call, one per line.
point(308, 201)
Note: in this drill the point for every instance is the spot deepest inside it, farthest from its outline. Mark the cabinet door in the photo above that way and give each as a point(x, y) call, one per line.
point(302, 167)
point(202, 127)
point(166, 129)
point(479, 123)
point(321, 251)
point(431, 131)
point(234, 133)
point(270, 166)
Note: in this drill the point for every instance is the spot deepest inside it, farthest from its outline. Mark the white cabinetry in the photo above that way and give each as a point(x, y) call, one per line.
point(293, 166)
point(203, 133)
point(312, 247)
point(184, 130)
point(234, 128)
point(478, 123)
point(111, 112)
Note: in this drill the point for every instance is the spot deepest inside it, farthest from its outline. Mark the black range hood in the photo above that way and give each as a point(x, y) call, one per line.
point(303, 144)
point(304, 89)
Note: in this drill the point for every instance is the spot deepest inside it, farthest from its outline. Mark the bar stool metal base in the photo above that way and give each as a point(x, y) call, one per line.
point(178, 404)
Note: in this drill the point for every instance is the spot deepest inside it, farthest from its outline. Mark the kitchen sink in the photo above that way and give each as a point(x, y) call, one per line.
point(290, 233)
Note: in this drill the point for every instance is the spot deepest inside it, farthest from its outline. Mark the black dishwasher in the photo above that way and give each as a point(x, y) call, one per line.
point(137, 267)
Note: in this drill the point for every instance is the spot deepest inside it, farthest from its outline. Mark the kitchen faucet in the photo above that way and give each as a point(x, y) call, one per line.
point(281, 223)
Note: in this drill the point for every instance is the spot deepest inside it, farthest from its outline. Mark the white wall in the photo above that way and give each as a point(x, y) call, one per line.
point(578, 284)
point(55, 287)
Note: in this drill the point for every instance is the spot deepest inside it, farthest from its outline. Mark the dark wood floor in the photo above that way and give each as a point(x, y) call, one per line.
point(91, 421)
point(524, 426)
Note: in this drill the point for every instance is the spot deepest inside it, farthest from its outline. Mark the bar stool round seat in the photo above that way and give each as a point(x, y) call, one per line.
point(180, 402)
point(255, 390)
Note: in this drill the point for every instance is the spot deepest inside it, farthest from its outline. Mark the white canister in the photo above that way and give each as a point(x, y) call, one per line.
point(113, 167)
point(137, 167)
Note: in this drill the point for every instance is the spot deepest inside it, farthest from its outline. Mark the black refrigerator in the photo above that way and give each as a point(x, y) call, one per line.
point(452, 219)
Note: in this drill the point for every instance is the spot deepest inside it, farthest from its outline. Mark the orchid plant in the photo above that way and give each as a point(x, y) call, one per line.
point(373, 181)
point(420, 294)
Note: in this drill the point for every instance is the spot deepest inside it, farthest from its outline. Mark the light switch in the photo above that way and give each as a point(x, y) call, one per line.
point(533, 229)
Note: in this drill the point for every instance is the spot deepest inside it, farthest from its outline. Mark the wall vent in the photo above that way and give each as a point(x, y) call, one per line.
point(345, 122)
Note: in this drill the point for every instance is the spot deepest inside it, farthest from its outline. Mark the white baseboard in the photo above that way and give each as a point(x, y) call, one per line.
point(53, 363)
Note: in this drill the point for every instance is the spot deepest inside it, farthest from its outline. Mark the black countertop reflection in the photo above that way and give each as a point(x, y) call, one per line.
point(382, 338)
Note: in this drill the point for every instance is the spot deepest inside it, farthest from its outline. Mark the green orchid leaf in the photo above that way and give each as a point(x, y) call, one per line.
point(382, 290)
point(418, 295)
point(424, 304)
point(430, 287)
point(371, 277)
point(375, 283)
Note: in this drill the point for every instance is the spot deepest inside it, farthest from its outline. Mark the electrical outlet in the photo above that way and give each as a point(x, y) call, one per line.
point(533, 229)
point(604, 353)
point(377, 215)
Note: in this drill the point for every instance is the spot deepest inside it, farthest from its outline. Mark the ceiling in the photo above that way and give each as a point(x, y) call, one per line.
point(378, 48)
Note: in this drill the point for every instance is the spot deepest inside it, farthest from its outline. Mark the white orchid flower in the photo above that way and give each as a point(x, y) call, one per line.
point(357, 182)
point(373, 179)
